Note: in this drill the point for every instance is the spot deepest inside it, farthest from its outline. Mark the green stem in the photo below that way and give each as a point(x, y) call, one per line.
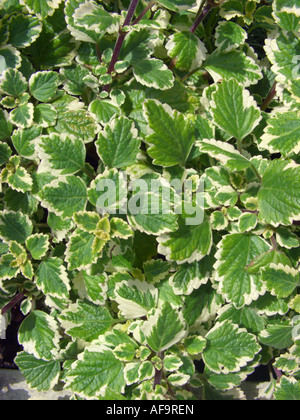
point(256, 173)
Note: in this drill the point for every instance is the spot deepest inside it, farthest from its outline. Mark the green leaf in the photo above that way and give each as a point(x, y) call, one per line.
point(45, 115)
point(85, 320)
point(171, 135)
point(12, 82)
point(225, 153)
point(153, 73)
point(279, 196)
point(14, 226)
point(5, 153)
point(24, 30)
point(94, 17)
point(43, 85)
point(176, 5)
point(191, 276)
point(80, 253)
point(5, 125)
point(281, 280)
point(65, 196)
point(247, 222)
point(229, 348)
point(103, 110)
point(235, 284)
point(38, 245)
point(60, 154)
point(164, 328)
point(22, 116)
point(286, 14)
point(10, 57)
point(282, 134)
point(96, 370)
point(187, 49)
point(6, 269)
point(135, 298)
point(41, 8)
point(118, 144)
point(278, 336)
point(40, 374)
point(93, 287)
point(234, 110)
point(75, 120)
point(233, 64)
point(51, 278)
point(288, 389)
point(229, 36)
point(39, 335)
point(24, 141)
point(188, 244)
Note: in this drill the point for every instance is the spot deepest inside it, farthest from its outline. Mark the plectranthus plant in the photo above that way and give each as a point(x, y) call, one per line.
point(150, 195)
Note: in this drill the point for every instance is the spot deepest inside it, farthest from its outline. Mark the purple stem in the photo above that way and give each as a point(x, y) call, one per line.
point(17, 299)
point(122, 35)
point(200, 18)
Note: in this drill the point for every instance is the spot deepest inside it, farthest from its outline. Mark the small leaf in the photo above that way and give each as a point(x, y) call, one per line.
point(43, 85)
point(37, 245)
point(187, 49)
point(41, 8)
point(229, 36)
point(225, 153)
point(51, 278)
point(94, 17)
point(153, 73)
point(22, 116)
point(135, 298)
point(12, 82)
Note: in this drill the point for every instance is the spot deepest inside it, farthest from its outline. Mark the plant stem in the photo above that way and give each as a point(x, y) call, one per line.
point(132, 7)
point(270, 97)
point(150, 5)
point(201, 16)
point(15, 301)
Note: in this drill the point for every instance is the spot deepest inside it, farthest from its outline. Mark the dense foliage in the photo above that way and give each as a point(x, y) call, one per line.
point(181, 280)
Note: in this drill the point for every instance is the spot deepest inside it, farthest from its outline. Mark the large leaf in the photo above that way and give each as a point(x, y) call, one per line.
point(24, 30)
point(40, 374)
point(95, 370)
point(61, 154)
point(234, 110)
point(65, 196)
point(14, 226)
point(94, 17)
point(171, 135)
point(233, 64)
point(282, 134)
point(164, 328)
point(43, 85)
point(118, 144)
point(236, 251)
point(279, 196)
point(85, 320)
point(229, 348)
point(39, 335)
point(187, 244)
